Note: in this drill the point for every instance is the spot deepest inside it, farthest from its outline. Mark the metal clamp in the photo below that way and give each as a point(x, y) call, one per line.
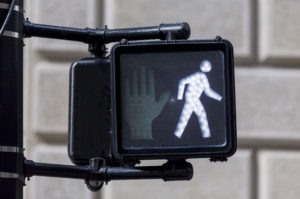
point(6, 7)
point(8, 175)
point(11, 149)
point(12, 34)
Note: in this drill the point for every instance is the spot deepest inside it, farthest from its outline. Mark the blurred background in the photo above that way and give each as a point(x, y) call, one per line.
point(265, 35)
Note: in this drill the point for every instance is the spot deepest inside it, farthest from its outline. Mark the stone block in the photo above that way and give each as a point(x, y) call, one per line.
point(279, 174)
point(56, 188)
point(279, 31)
point(268, 103)
point(69, 13)
point(50, 102)
point(231, 19)
point(230, 179)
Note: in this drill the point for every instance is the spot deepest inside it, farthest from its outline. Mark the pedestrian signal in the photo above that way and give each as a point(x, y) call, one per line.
point(173, 100)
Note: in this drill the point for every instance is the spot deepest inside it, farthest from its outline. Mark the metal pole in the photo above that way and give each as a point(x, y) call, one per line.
point(11, 102)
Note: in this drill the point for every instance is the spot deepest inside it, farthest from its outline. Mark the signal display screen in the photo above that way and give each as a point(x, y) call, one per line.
point(172, 99)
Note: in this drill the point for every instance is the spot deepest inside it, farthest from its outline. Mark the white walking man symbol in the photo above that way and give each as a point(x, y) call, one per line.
point(197, 83)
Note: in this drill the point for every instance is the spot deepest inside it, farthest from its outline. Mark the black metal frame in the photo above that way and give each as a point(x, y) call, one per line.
point(97, 38)
point(11, 106)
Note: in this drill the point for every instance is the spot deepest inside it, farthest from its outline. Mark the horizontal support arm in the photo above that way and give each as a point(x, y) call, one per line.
point(170, 171)
point(103, 36)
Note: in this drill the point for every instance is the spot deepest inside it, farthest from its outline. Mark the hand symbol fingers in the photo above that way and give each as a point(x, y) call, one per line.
point(127, 89)
point(134, 84)
point(151, 85)
point(143, 83)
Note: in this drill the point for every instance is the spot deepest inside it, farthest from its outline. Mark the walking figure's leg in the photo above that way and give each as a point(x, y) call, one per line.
point(184, 118)
point(202, 118)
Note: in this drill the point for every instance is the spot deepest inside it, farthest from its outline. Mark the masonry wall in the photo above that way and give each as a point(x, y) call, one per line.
point(265, 35)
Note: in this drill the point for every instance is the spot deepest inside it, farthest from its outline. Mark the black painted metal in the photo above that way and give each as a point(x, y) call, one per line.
point(170, 171)
point(53, 170)
point(103, 36)
point(11, 104)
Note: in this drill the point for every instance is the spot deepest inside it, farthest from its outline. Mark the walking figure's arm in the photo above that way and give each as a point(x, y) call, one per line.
point(181, 87)
point(208, 91)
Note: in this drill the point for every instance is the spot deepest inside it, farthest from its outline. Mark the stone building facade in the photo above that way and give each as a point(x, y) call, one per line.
point(265, 35)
